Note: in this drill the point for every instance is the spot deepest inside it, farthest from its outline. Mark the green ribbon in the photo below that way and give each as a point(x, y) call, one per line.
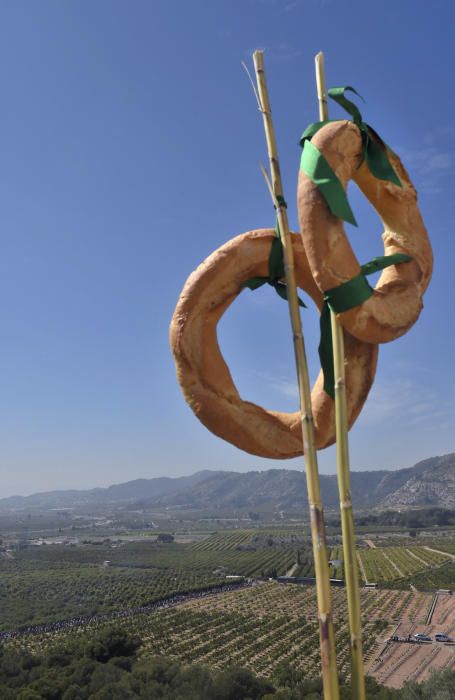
point(319, 171)
point(276, 266)
point(343, 298)
point(337, 94)
point(374, 150)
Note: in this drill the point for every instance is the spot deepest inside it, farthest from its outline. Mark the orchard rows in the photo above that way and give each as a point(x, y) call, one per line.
point(389, 563)
point(259, 628)
point(251, 538)
point(42, 597)
point(56, 582)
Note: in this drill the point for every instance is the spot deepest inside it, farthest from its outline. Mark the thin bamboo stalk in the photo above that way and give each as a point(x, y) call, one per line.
point(324, 597)
point(344, 477)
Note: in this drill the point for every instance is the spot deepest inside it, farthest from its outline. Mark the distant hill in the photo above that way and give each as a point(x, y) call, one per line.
point(431, 482)
point(128, 492)
point(428, 483)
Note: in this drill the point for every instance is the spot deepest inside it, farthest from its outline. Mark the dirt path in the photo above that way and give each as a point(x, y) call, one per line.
point(422, 561)
point(362, 568)
point(438, 551)
point(292, 570)
point(399, 662)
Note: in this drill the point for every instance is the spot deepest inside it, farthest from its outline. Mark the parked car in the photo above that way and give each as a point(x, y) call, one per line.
point(440, 637)
point(422, 637)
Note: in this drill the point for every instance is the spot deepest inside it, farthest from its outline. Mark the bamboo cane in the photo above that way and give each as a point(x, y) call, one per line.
point(324, 597)
point(343, 473)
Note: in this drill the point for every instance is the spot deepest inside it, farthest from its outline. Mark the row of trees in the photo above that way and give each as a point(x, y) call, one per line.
point(421, 518)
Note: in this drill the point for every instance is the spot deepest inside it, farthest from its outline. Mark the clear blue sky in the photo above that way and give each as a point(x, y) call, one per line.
point(130, 144)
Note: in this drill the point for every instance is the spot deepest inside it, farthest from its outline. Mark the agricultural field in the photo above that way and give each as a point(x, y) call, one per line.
point(376, 565)
point(55, 582)
point(439, 544)
point(257, 546)
point(46, 596)
point(445, 541)
point(398, 662)
point(441, 577)
point(40, 584)
point(336, 565)
point(261, 628)
point(254, 539)
point(381, 565)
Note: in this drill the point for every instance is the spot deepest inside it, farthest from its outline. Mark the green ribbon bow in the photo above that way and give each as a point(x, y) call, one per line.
point(319, 171)
point(276, 266)
point(343, 298)
point(374, 150)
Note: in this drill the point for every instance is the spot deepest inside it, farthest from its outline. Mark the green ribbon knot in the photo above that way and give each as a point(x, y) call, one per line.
point(374, 149)
point(276, 265)
point(374, 152)
point(281, 202)
point(343, 298)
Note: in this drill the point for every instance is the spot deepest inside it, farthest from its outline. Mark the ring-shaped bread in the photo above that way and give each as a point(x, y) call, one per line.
point(397, 299)
point(205, 378)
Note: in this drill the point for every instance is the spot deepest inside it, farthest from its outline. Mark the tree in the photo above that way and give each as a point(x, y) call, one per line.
point(112, 642)
point(165, 537)
point(26, 694)
point(74, 692)
point(439, 686)
point(239, 684)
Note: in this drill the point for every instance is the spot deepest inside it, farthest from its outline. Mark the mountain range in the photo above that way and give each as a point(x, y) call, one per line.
point(428, 483)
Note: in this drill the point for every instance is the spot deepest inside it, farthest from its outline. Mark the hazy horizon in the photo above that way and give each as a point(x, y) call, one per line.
point(282, 465)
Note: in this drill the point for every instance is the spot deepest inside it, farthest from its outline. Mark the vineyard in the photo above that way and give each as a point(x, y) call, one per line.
point(260, 628)
point(442, 577)
point(440, 544)
point(252, 539)
point(336, 566)
point(378, 565)
point(390, 563)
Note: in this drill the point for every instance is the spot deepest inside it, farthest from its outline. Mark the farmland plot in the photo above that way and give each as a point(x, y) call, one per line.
point(398, 662)
point(45, 584)
point(261, 628)
point(390, 563)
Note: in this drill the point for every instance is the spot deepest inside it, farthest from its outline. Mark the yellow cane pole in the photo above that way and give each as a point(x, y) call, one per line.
point(324, 597)
point(344, 477)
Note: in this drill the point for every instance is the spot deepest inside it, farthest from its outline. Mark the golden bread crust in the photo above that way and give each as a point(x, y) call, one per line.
point(205, 377)
point(397, 299)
